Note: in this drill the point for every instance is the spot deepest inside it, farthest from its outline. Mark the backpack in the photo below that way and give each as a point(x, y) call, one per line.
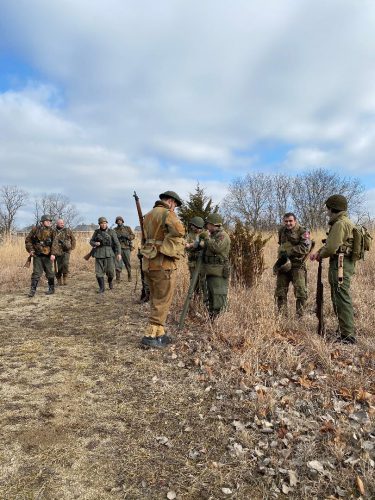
point(362, 241)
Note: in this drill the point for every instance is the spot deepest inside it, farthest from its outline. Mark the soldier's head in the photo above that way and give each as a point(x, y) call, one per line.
point(46, 220)
point(171, 199)
point(289, 220)
point(60, 223)
point(196, 224)
point(337, 203)
point(214, 223)
point(119, 220)
point(103, 223)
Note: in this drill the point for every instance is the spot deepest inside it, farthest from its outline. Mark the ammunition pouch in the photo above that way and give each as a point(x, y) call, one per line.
point(213, 259)
point(150, 248)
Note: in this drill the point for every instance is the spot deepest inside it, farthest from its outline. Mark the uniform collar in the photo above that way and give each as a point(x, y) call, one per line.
point(336, 217)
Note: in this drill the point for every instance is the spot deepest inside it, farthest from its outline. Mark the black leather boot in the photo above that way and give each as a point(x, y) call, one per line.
point(101, 285)
point(110, 283)
point(34, 284)
point(51, 286)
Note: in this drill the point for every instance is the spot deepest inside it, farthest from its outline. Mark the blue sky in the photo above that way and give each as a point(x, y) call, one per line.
point(100, 98)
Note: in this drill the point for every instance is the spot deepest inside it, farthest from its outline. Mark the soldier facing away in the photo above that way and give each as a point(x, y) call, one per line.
point(163, 245)
point(125, 236)
point(339, 242)
point(106, 248)
point(40, 243)
point(216, 245)
point(294, 247)
point(66, 242)
point(196, 226)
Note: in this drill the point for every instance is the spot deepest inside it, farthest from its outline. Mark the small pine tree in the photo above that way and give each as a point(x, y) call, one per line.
point(198, 205)
point(246, 255)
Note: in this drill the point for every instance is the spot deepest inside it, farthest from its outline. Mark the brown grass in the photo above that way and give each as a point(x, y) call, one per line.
point(242, 404)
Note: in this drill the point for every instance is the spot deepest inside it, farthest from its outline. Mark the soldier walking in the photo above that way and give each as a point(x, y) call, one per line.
point(106, 248)
point(196, 225)
point(162, 247)
point(66, 242)
point(41, 245)
point(339, 245)
point(294, 246)
point(216, 244)
point(125, 236)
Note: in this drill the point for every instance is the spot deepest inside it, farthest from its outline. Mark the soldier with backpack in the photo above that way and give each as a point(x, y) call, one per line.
point(344, 245)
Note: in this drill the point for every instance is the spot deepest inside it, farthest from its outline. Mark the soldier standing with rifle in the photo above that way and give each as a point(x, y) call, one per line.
point(66, 242)
point(41, 245)
point(106, 248)
point(338, 248)
point(125, 236)
point(162, 246)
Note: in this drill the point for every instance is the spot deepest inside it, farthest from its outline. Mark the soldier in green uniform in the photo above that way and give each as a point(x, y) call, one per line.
point(41, 246)
point(294, 246)
point(106, 248)
point(125, 236)
point(196, 225)
point(340, 242)
point(66, 242)
point(216, 245)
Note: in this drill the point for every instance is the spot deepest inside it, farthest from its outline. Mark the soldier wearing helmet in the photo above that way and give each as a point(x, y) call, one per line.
point(107, 249)
point(216, 245)
point(294, 246)
point(163, 245)
point(66, 242)
point(196, 225)
point(41, 245)
point(125, 236)
point(340, 242)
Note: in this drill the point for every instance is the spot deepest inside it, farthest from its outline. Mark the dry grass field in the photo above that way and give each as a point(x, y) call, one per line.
point(252, 407)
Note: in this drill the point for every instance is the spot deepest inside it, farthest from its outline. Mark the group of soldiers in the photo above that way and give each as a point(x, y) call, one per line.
point(164, 243)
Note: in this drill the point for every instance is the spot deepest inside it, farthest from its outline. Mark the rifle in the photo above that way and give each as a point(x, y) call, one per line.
point(320, 300)
point(145, 294)
point(193, 284)
point(90, 254)
point(28, 262)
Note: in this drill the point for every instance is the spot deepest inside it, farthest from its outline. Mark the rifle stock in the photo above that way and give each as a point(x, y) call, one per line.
point(144, 292)
point(90, 254)
point(193, 282)
point(28, 262)
point(320, 300)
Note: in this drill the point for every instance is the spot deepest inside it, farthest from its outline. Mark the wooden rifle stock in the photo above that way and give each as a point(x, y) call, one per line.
point(320, 300)
point(90, 254)
point(28, 262)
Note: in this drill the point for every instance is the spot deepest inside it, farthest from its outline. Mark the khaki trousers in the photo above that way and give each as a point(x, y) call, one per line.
point(162, 284)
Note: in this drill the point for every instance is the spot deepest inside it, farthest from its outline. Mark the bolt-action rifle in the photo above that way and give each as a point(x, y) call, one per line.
point(90, 254)
point(28, 261)
point(144, 293)
point(192, 287)
point(320, 300)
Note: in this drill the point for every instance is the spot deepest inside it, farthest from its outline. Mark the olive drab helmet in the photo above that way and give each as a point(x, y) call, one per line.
point(45, 217)
point(337, 202)
point(171, 194)
point(197, 222)
point(214, 219)
point(119, 217)
point(102, 219)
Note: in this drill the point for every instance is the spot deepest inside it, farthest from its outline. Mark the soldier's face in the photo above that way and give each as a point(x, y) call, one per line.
point(103, 225)
point(60, 224)
point(290, 222)
point(47, 223)
point(211, 228)
point(195, 229)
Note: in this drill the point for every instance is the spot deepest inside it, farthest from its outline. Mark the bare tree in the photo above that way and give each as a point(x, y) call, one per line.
point(12, 198)
point(282, 189)
point(311, 189)
point(250, 200)
point(57, 206)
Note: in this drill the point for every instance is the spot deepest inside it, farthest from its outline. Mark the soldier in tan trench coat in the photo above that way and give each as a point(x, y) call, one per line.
point(163, 245)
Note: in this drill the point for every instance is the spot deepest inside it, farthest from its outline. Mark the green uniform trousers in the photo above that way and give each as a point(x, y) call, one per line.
point(42, 263)
point(162, 284)
point(125, 254)
point(104, 267)
point(340, 295)
point(217, 292)
point(62, 264)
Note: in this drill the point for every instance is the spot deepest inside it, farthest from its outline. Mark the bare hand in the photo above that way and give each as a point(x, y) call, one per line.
point(52, 258)
point(119, 257)
point(315, 256)
point(32, 253)
point(97, 243)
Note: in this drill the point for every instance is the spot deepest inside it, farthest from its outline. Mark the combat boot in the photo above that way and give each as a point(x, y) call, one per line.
point(282, 306)
point(129, 276)
point(34, 285)
point(65, 279)
point(110, 283)
point(58, 279)
point(51, 286)
point(300, 307)
point(118, 275)
point(101, 285)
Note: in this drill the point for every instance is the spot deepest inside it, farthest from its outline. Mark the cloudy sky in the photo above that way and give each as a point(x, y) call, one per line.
point(98, 99)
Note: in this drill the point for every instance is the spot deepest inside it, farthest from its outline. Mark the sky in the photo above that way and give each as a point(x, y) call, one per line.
point(98, 99)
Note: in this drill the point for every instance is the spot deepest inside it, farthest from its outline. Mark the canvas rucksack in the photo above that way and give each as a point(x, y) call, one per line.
point(362, 241)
